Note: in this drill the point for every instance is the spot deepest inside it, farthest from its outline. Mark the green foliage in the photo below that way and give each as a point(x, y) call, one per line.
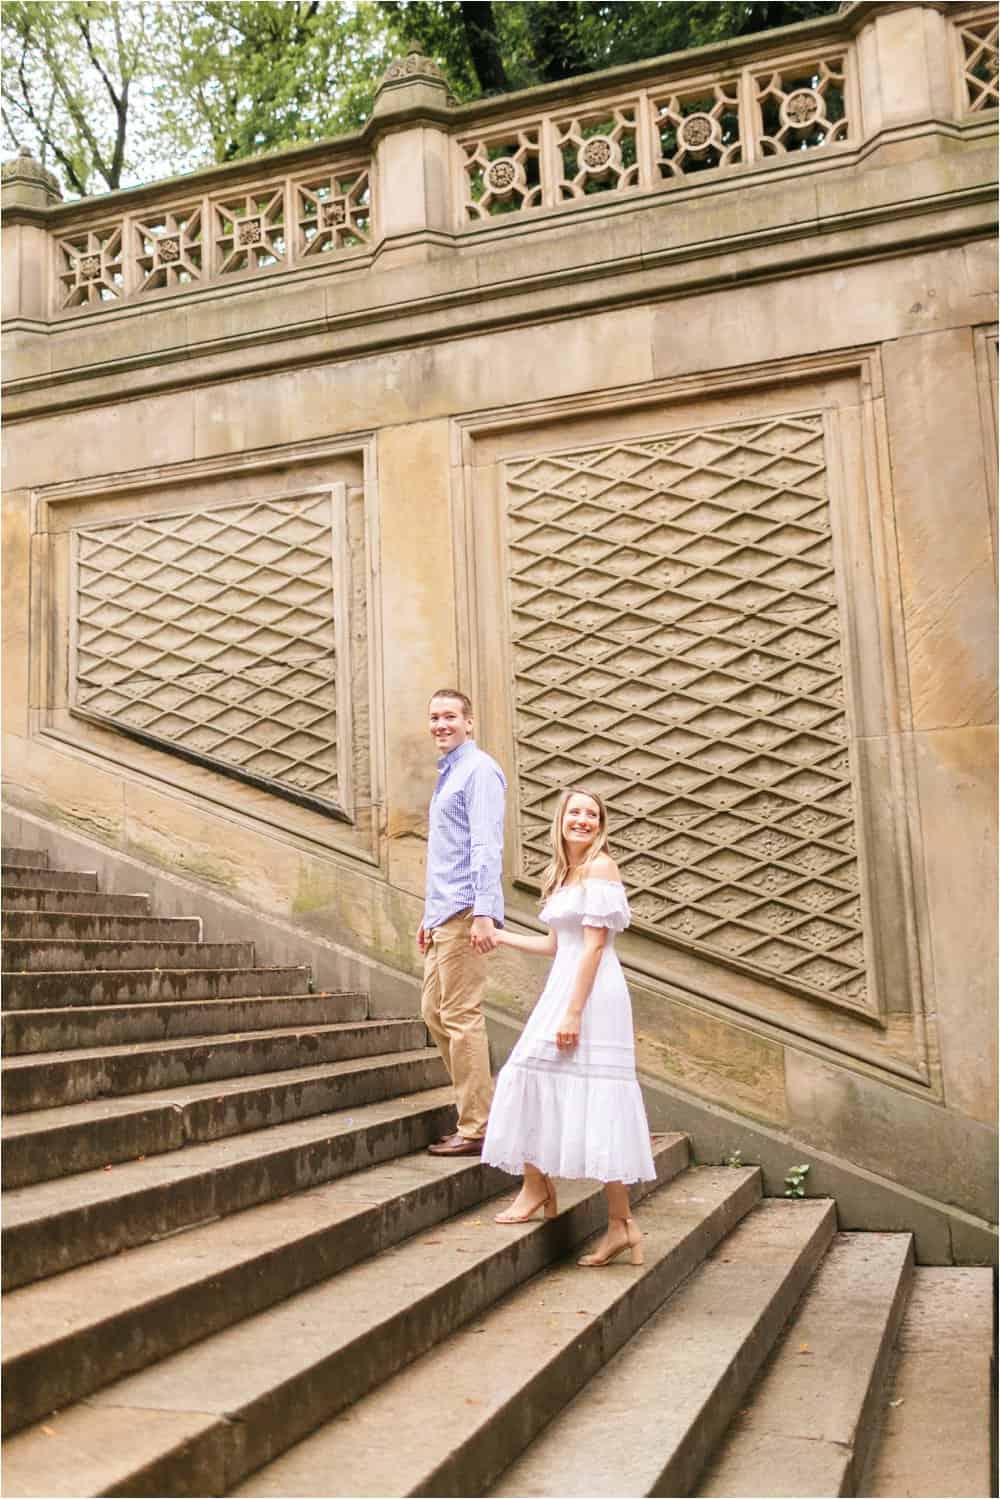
point(68, 77)
point(795, 1181)
point(250, 77)
point(107, 92)
point(542, 41)
point(734, 1158)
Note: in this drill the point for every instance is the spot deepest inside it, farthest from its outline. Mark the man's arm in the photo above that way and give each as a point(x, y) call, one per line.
point(484, 806)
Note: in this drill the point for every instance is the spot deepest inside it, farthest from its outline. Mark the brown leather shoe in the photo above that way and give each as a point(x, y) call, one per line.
point(456, 1145)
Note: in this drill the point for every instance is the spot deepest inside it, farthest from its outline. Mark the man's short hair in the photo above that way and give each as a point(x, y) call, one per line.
point(459, 697)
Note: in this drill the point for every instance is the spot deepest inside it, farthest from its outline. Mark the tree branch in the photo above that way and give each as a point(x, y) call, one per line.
point(75, 112)
point(480, 27)
point(83, 26)
point(45, 134)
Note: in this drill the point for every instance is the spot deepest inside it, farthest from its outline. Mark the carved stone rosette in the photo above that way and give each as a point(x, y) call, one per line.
point(501, 174)
point(333, 211)
point(698, 129)
point(802, 106)
point(598, 151)
point(90, 267)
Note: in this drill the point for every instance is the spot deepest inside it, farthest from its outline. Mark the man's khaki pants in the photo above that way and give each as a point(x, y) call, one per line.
point(454, 975)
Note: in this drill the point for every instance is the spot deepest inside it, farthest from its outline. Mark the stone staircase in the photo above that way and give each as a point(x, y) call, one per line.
point(231, 1267)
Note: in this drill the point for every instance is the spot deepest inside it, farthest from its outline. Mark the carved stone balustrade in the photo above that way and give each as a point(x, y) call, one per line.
point(425, 173)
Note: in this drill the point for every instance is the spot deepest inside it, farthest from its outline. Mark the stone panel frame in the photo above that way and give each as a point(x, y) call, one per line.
point(986, 352)
point(894, 1035)
point(340, 804)
point(343, 469)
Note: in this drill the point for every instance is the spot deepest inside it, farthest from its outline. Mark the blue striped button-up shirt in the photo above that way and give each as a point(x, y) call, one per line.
point(465, 838)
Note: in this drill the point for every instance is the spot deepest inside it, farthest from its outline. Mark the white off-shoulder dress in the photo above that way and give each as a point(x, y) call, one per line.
point(575, 1113)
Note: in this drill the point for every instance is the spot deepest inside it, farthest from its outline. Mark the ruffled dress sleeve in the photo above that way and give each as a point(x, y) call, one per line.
point(604, 903)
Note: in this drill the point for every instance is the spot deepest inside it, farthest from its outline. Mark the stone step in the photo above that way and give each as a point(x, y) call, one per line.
point(531, 1355)
point(24, 858)
point(28, 1031)
point(17, 877)
point(807, 1427)
point(693, 1363)
point(75, 902)
point(30, 955)
point(934, 1427)
point(126, 986)
point(202, 1419)
point(52, 1079)
point(67, 1336)
point(57, 1225)
point(55, 926)
point(50, 1143)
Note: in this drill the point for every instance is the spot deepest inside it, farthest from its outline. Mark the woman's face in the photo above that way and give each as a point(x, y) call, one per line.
point(581, 823)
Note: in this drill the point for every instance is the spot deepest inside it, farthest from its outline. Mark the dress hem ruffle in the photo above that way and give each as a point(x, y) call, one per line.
point(517, 1169)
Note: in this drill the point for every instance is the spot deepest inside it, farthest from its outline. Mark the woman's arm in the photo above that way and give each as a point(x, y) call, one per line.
point(545, 945)
point(568, 1030)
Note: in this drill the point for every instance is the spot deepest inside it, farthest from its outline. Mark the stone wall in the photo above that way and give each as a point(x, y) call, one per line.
point(655, 410)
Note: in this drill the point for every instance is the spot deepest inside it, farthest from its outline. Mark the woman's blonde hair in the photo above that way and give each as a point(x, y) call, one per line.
point(558, 867)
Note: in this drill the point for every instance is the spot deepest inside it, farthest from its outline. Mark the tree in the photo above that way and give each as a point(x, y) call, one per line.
point(109, 91)
point(543, 41)
point(242, 76)
point(68, 85)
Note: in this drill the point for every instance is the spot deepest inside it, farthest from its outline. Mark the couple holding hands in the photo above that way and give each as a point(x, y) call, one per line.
point(567, 1102)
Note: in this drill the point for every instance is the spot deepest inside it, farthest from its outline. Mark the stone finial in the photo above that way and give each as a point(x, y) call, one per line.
point(413, 80)
point(414, 65)
point(26, 183)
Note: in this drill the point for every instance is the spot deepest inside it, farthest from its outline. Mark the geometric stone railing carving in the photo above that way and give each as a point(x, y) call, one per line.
point(90, 267)
point(978, 38)
point(598, 151)
point(655, 135)
point(677, 647)
point(580, 147)
point(213, 633)
point(333, 212)
point(698, 128)
point(274, 225)
point(168, 248)
point(800, 107)
point(502, 173)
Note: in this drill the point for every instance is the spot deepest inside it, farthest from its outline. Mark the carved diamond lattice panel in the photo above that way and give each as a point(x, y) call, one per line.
point(213, 633)
point(677, 647)
point(979, 62)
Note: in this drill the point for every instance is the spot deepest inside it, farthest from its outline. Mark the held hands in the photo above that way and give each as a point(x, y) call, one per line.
point(483, 935)
point(568, 1031)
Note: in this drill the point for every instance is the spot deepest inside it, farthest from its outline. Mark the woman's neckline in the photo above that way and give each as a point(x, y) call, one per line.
point(592, 879)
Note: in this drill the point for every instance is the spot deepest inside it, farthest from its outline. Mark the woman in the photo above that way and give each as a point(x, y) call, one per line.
point(567, 1102)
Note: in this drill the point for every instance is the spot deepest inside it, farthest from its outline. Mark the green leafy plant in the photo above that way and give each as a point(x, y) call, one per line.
point(795, 1181)
point(734, 1158)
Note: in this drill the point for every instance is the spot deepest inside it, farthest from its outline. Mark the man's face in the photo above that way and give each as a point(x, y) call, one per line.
point(448, 724)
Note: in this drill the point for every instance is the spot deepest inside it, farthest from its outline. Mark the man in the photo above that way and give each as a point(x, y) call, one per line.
point(464, 906)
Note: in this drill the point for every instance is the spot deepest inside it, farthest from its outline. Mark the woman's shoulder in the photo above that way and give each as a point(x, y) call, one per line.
point(603, 867)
